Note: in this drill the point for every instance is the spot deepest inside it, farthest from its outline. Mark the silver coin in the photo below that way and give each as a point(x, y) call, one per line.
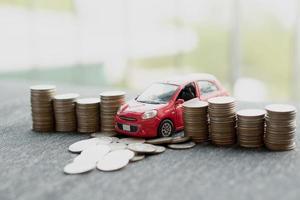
point(79, 167)
point(131, 140)
point(79, 146)
point(102, 134)
point(142, 148)
point(115, 160)
point(105, 140)
point(187, 145)
point(137, 158)
point(164, 140)
point(117, 146)
point(93, 154)
point(159, 149)
point(180, 139)
point(114, 139)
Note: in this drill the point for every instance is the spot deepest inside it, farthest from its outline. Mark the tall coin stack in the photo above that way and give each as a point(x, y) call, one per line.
point(222, 120)
point(281, 127)
point(88, 115)
point(41, 107)
point(110, 103)
point(65, 113)
point(196, 120)
point(251, 127)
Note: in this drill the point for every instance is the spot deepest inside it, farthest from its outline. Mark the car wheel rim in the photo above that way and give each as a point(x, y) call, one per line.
point(166, 129)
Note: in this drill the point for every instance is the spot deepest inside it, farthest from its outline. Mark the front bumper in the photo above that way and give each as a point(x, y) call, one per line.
point(139, 128)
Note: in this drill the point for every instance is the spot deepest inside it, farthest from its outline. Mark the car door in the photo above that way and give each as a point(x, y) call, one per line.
point(188, 92)
point(207, 89)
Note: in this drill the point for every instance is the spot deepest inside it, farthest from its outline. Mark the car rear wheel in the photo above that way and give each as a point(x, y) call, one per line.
point(166, 128)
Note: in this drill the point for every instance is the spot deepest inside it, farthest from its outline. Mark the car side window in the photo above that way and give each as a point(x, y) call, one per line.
point(187, 93)
point(206, 87)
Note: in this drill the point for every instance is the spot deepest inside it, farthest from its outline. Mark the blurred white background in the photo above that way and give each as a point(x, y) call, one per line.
point(251, 46)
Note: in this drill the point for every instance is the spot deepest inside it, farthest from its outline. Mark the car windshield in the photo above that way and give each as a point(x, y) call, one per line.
point(157, 93)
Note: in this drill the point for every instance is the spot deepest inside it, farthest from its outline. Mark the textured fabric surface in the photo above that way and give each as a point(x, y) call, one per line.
point(31, 165)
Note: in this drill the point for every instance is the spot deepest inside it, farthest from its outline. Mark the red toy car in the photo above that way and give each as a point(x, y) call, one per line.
point(158, 110)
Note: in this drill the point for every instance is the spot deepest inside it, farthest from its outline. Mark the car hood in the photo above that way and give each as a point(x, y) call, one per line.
point(137, 107)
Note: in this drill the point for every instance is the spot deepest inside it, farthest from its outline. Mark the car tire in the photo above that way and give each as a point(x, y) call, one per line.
point(166, 128)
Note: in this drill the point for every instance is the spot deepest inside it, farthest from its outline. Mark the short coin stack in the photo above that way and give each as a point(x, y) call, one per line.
point(281, 127)
point(88, 115)
point(110, 103)
point(196, 120)
point(222, 120)
point(41, 107)
point(65, 113)
point(251, 127)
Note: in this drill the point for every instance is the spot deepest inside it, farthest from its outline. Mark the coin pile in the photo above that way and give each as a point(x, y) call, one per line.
point(111, 153)
point(65, 112)
point(222, 120)
point(281, 127)
point(41, 107)
point(110, 103)
point(88, 115)
point(196, 120)
point(251, 127)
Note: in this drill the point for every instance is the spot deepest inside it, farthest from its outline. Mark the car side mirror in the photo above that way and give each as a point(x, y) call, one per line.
point(179, 101)
point(136, 97)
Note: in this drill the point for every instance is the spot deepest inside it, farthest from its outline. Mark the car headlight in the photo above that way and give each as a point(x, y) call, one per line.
point(149, 114)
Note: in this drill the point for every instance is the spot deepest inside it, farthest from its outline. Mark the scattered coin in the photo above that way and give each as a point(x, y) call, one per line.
point(79, 146)
point(180, 139)
point(137, 158)
point(105, 140)
point(93, 154)
point(131, 140)
point(42, 113)
point(163, 140)
point(79, 167)
point(187, 145)
point(142, 148)
point(115, 139)
point(159, 149)
point(115, 160)
point(117, 146)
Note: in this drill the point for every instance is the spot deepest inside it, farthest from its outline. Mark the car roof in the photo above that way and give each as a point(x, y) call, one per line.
point(182, 80)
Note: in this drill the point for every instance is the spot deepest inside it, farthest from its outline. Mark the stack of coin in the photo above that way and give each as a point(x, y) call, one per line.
point(281, 127)
point(222, 120)
point(88, 115)
point(251, 127)
point(41, 107)
point(65, 113)
point(196, 120)
point(110, 103)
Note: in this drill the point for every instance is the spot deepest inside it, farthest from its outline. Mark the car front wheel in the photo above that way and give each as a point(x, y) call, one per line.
point(166, 128)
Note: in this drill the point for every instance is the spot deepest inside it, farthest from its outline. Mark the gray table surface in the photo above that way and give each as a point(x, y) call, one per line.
point(31, 165)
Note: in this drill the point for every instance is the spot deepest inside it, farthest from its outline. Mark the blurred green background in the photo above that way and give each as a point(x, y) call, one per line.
point(251, 46)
